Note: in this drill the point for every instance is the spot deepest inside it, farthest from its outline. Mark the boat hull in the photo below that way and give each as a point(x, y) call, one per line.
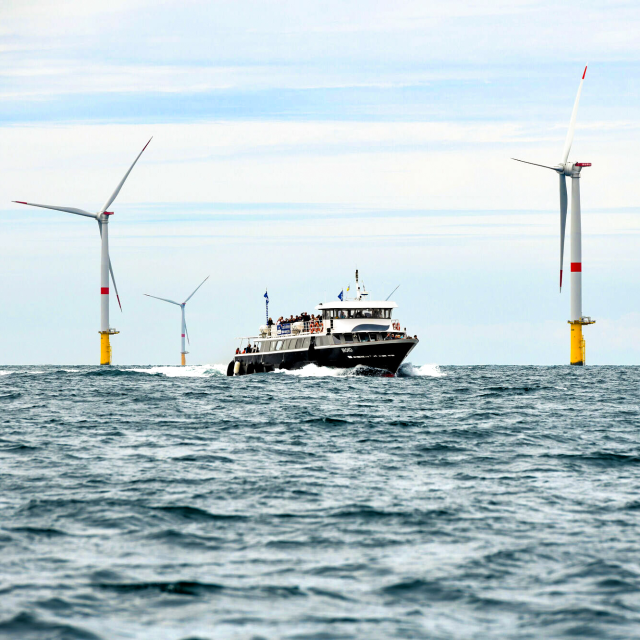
point(386, 355)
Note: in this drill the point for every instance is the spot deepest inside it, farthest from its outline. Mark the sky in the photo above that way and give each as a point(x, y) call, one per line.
point(294, 141)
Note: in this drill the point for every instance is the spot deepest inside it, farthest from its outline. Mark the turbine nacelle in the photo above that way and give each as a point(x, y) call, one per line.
point(572, 168)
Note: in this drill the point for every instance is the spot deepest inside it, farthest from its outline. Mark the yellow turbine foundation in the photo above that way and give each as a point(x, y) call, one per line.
point(184, 359)
point(577, 344)
point(578, 348)
point(105, 346)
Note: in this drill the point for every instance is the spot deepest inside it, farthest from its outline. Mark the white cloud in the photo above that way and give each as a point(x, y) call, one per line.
point(391, 165)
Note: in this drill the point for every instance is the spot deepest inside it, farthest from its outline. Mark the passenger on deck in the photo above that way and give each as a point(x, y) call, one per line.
point(270, 322)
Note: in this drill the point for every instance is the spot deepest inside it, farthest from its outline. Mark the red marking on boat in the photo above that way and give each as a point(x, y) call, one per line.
point(576, 267)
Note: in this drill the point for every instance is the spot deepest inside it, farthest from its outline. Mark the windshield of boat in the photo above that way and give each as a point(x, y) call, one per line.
point(344, 314)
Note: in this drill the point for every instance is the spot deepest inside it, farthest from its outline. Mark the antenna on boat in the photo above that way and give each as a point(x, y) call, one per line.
point(392, 293)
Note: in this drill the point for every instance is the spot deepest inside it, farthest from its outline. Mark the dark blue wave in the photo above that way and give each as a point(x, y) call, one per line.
point(466, 502)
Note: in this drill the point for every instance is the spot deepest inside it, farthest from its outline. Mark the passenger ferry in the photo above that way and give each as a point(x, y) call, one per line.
point(345, 333)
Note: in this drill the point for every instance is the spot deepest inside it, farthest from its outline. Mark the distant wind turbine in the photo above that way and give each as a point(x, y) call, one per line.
point(184, 331)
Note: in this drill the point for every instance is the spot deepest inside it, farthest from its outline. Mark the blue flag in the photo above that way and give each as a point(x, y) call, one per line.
point(340, 296)
point(266, 295)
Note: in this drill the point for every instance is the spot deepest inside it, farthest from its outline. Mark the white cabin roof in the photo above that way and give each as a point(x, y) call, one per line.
point(356, 304)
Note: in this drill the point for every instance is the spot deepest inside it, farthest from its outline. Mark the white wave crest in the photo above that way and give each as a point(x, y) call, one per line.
point(429, 370)
point(5, 373)
point(188, 371)
point(314, 371)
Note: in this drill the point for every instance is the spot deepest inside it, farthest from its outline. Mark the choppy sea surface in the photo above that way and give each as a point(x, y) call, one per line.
point(449, 502)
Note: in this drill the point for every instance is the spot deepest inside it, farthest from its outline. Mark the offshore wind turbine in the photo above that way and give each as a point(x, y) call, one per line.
point(572, 169)
point(102, 218)
point(183, 325)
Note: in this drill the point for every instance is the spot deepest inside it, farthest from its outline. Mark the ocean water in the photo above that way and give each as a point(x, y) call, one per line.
point(449, 502)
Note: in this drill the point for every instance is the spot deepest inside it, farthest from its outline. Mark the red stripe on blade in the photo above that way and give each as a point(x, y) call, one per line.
point(585, 73)
point(104, 291)
point(576, 267)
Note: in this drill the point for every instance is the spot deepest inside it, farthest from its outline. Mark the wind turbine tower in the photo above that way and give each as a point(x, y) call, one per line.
point(102, 218)
point(183, 325)
point(572, 169)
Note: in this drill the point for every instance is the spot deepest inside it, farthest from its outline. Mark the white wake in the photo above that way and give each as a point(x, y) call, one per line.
point(407, 370)
point(430, 370)
point(188, 371)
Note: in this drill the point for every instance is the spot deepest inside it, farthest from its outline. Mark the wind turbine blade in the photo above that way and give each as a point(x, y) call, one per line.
point(114, 195)
point(163, 299)
point(572, 122)
point(563, 219)
point(78, 212)
point(187, 332)
point(191, 296)
point(113, 279)
point(535, 164)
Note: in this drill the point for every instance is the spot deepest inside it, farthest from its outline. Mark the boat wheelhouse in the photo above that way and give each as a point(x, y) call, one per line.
point(344, 334)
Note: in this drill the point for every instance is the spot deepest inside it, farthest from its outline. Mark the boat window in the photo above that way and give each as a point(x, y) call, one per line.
point(364, 337)
point(362, 313)
point(321, 341)
point(326, 314)
point(337, 338)
point(279, 345)
point(348, 337)
point(287, 344)
point(306, 342)
point(257, 347)
point(356, 337)
point(266, 346)
point(299, 343)
point(373, 337)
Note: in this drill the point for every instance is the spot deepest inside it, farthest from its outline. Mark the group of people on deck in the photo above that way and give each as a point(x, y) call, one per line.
point(303, 317)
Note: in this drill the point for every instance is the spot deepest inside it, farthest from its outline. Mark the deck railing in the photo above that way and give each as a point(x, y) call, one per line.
point(292, 329)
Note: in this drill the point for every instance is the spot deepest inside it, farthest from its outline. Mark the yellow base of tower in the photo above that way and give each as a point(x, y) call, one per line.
point(105, 346)
point(578, 347)
point(184, 359)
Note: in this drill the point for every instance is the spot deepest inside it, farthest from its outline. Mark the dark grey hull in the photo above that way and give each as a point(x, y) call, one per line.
point(386, 355)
